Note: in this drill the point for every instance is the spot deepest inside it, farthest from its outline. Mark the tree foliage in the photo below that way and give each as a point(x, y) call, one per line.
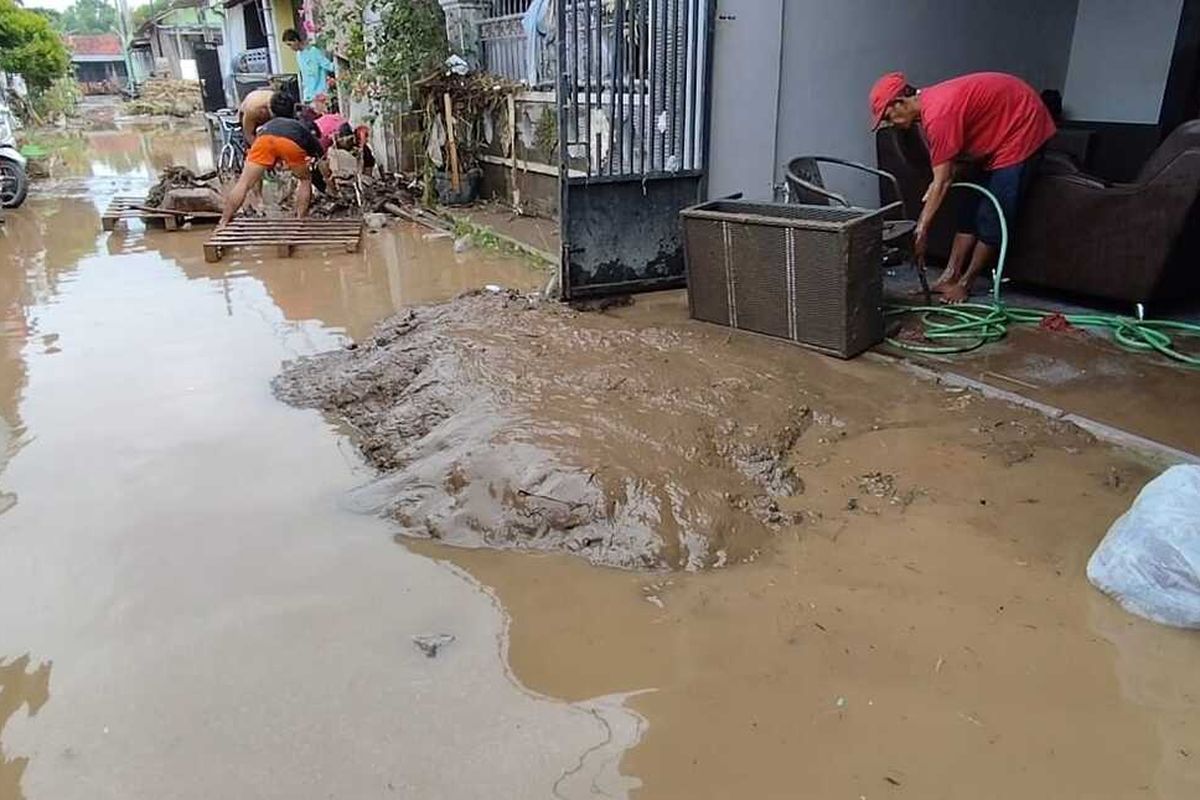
point(407, 42)
point(90, 16)
point(144, 12)
point(30, 46)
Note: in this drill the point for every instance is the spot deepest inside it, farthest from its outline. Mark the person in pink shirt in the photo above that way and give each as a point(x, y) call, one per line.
point(329, 125)
point(991, 118)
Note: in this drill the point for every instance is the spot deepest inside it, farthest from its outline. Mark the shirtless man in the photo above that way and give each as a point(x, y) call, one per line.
point(254, 111)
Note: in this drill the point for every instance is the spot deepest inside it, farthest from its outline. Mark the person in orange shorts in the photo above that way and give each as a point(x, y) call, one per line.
point(281, 140)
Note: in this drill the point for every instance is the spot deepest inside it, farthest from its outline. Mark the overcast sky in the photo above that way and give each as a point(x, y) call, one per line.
point(59, 5)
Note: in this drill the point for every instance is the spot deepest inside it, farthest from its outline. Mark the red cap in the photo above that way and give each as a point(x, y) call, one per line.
point(885, 90)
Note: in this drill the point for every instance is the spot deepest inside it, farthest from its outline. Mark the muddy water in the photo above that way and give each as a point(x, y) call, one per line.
point(927, 631)
point(186, 607)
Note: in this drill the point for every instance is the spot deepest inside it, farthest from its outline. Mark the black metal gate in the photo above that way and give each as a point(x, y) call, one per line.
point(633, 81)
point(208, 67)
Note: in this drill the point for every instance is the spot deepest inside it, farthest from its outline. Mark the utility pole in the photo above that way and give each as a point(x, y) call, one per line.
point(126, 33)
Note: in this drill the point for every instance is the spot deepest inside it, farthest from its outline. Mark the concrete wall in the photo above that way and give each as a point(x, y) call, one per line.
point(284, 18)
point(832, 50)
point(1120, 59)
point(745, 96)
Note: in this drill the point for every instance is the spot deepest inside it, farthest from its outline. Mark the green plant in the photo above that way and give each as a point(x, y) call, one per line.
point(545, 133)
point(30, 46)
point(406, 40)
point(60, 99)
point(485, 238)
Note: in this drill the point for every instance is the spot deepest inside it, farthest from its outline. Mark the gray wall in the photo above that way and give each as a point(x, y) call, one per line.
point(832, 52)
point(745, 96)
point(1120, 59)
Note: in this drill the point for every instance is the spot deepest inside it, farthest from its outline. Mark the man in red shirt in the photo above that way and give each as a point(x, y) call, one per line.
point(992, 118)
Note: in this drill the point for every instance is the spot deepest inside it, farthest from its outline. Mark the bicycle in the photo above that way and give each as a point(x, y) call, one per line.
point(232, 155)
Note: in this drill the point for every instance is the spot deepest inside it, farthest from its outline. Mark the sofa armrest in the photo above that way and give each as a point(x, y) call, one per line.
point(1079, 235)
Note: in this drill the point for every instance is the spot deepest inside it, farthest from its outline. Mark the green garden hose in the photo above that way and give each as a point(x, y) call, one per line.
point(967, 326)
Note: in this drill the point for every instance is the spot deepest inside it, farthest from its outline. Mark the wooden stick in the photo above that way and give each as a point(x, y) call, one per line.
point(451, 144)
point(512, 148)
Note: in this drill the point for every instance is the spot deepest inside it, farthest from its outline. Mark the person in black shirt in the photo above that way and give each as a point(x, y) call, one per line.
point(281, 140)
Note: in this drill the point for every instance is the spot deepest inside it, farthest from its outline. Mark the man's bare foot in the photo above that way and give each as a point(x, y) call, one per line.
point(954, 293)
point(947, 278)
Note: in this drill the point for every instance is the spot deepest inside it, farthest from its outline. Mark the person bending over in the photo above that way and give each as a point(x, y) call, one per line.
point(995, 119)
point(281, 140)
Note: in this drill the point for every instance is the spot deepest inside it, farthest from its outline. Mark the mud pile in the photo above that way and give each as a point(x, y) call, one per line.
point(502, 421)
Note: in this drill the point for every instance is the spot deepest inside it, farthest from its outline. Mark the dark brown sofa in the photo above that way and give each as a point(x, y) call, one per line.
point(1131, 242)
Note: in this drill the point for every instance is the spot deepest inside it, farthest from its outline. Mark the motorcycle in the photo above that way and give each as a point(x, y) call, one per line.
point(14, 182)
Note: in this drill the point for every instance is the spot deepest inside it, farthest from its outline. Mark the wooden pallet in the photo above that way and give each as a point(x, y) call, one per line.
point(282, 235)
point(126, 207)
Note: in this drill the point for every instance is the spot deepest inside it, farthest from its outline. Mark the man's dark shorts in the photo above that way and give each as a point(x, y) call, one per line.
point(977, 215)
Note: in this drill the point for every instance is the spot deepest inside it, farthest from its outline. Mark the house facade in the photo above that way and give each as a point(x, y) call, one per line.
point(98, 62)
point(168, 43)
point(253, 49)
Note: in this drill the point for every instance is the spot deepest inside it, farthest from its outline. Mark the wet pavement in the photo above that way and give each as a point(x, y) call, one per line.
point(1089, 375)
point(194, 604)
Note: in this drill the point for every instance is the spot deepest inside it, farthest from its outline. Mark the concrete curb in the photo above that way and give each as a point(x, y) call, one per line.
point(1156, 451)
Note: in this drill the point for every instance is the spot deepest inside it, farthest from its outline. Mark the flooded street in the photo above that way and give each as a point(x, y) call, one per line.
point(186, 605)
point(206, 592)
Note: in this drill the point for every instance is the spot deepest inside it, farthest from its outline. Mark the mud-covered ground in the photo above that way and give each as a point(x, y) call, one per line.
point(501, 420)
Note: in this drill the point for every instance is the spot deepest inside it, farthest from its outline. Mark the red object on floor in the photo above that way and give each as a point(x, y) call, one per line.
point(1056, 322)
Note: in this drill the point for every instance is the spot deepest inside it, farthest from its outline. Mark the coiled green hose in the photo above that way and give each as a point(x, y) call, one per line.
point(967, 326)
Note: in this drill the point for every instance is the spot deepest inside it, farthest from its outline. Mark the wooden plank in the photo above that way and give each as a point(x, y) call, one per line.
point(252, 240)
point(450, 141)
point(174, 212)
point(283, 236)
point(300, 232)
point(293, 230)
point(285, 242)
point(298, 228)
point(292, 221)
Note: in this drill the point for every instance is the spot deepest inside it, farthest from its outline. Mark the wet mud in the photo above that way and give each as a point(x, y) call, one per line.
point(504, 421)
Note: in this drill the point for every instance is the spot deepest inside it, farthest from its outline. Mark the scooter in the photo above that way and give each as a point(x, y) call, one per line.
point(14, 182)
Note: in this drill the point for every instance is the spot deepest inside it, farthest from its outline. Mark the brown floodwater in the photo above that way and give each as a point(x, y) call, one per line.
point(187, 608)
point(195, 606)
point(926, 629)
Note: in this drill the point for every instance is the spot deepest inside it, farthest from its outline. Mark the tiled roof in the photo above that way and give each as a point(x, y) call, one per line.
point(97, 44)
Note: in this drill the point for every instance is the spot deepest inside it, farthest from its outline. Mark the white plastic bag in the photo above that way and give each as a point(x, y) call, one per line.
point(1150, 559)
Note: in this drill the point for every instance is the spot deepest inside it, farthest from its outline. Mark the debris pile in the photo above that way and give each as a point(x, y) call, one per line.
point(166, 97)
point(351, 196)
point(179, 188)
